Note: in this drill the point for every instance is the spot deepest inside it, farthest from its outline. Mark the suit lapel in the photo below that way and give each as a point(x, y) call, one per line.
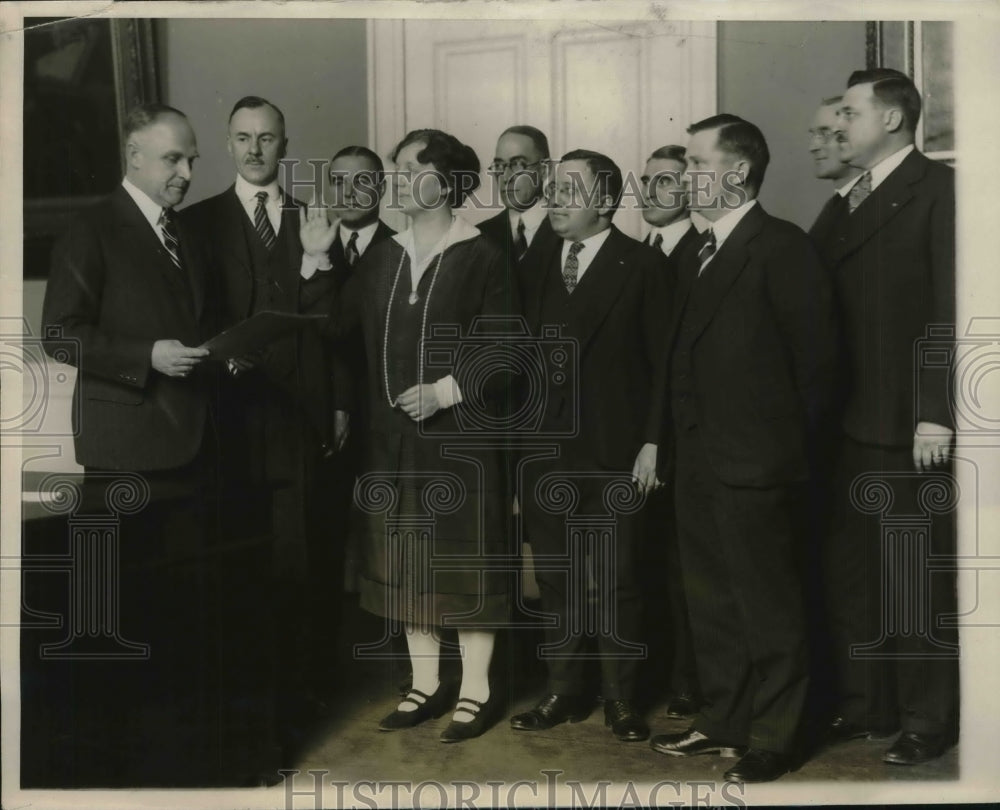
point(721, 273)
point(232, 239)
point(602, 283)
point(147, 250)
point(879, 207)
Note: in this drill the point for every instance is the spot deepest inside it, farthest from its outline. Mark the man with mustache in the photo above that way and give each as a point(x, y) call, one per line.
point(279, 419)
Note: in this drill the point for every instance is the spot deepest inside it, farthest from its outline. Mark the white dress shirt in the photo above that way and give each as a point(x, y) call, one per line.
point(365, 236)
point(150, 209)
point(591, 245)
point(671, 234)
point(531, 217)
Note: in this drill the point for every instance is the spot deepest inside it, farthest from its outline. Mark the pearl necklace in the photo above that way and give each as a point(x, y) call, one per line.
point(423, 322)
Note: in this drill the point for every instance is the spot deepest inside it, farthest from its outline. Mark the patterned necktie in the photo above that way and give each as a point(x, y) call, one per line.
point(170, 241)
point(262, 224)
point(572, 266)
point(859, 191)
point(351, 251)
point(658, 242)
point(707, 250)
point(520, 242)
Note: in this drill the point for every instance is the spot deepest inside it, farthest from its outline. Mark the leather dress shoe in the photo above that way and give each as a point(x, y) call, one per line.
point(842, 730)
point(482, 716)
point(551, 711)
point(428, 706)
point(683, 704)
point(624, 721)
point(690, 743)
point(758, 765)
point(913, 747)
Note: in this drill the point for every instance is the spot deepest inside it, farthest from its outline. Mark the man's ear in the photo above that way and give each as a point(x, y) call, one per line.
point(742, 172)
point(283, 150)
point(893, 119)
point(133, 155)
point(607, 206)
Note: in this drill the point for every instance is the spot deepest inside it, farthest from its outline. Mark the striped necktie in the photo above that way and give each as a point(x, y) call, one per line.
point(707, 250)
point(351, 251)
point(170, 241)
point(262, 224)
point(572, 266)
point(859, 191)
point(658, 242)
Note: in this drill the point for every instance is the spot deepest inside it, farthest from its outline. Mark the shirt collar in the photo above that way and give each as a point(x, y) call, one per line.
point(671, 233)
point(365, 234)
point(882, 169)
point(247, 192)
point(725, 226)
point(150, 209)
point(532, 217)
point(591, 243)
point(700, 223)
point(460, 231)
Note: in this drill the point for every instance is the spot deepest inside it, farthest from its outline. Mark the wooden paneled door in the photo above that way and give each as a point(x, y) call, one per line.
point(622, 89)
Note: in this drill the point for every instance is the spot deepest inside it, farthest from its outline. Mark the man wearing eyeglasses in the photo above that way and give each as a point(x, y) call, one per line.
point(519, 171)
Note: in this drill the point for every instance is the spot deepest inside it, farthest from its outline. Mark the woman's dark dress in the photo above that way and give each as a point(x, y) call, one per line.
point(437, 548)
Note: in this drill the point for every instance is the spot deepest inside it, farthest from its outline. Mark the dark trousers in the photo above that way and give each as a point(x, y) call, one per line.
point(671, 667)
point(594, 594)
point(887, 587)
point(738, 555)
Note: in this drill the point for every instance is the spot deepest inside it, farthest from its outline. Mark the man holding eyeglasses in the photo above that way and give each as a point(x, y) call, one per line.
point(519, 171)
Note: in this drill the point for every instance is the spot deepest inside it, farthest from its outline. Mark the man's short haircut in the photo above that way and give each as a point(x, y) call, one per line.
point(253, 103)
point(454, 160)
point(536, 135)
point(609, 176)
point(669, 152)
point(742, 139)
point(893, 89)
point(145, 115)
point(363, 152)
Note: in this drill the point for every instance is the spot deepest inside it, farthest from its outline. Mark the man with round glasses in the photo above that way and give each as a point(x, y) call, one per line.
point(519, 172)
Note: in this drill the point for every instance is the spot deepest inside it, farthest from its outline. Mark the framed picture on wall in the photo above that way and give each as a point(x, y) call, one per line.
point(924, 51)
point(81, 75)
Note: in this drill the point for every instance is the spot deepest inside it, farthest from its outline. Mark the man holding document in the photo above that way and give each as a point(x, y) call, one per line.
point(279, 423)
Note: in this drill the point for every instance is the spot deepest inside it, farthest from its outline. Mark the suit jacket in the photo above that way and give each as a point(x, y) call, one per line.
point(617, 318)
point(307, 376)
point(763, 341)
point(893, 268)
point(350, 365)
point(114, 291)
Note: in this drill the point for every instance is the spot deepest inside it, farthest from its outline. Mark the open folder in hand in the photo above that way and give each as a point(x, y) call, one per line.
point(256, 332)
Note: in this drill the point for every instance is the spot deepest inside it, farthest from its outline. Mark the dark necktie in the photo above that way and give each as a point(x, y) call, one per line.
point(520, 242)
point(572, 266)
point(707, 250)
point(658, 242)
point(351, 251)
point(262, 224)
point(859, 191)
point(170, 241)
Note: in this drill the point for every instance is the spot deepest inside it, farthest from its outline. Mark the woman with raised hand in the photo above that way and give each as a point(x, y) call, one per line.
point(435, 485)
